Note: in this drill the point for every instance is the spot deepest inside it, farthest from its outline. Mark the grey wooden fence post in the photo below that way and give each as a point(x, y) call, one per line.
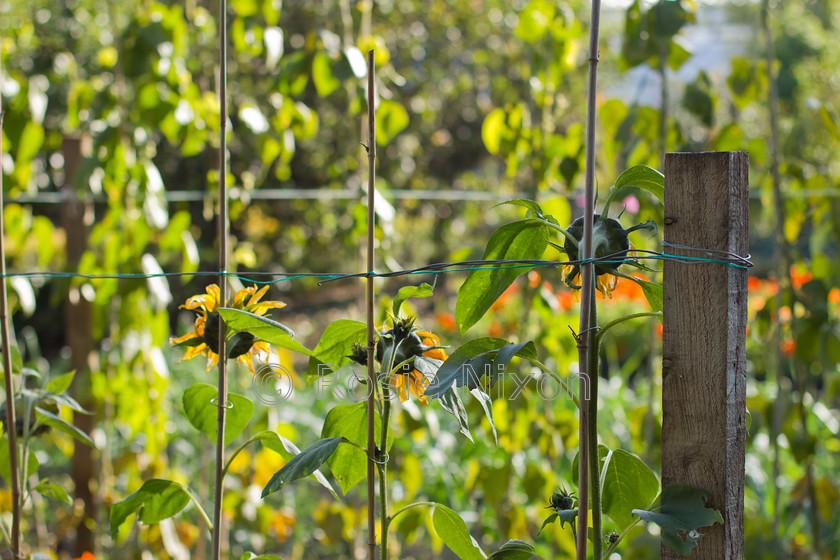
point(704, 337)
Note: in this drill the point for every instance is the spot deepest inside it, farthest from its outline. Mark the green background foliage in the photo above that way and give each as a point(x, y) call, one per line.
point(480, 102)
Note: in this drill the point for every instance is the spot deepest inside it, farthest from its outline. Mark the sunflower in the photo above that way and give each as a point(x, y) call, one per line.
point(203, 339)
point(400, 346)
point(610, 242)
point(415, 381)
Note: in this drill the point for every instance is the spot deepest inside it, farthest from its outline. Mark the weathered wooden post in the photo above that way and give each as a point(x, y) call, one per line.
point(703, 354)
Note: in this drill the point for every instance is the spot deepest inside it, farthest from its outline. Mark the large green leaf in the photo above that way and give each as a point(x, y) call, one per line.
point(263, 328)
point(626, 483)
point(303, 464)
point(473, 359)
point(349, 464)
point(336, 344)
point(288, 450)
point(203, 414)
point(682, 509)
point(59, 423)
point(522, 240)
point(157, 500)
point(455, 534)
point(640, 176)
point(391, 119)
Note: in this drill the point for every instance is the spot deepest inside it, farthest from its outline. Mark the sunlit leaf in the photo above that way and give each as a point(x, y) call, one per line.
point(156, 500)
point(522, 240)
point(455, 534)
point(349, 464)
point(303, 464)
point(626, 483)
point(423, 290)
point(336, 343)
point(201, 409)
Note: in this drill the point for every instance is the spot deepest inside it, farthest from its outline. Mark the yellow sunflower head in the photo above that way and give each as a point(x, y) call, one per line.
point(203, 339)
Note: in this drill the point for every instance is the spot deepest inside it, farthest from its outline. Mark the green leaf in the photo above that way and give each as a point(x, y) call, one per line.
point(263, 328)
point(5, 469)
point(60, 383)
point(522, 240)
point(640, 176)
point(487, 405)
point(46, 417)
point(17, 361)
point(564, 515)
point(336, 344)
point(53, 490)
point(514, 549)
point(682, 509)
point(423, 290)
point(391, 119)
point(535, 20)
point(454, 533)
point(203, 414)
point(468, 363)
point(288, 450)
point(157, 500)
point(493, 129)
point(303, 464)
point(548, 520)
point(451, 402)
point(349, 463)
point(322, 75)
point(652, 291)
point(31, 140)
point(626, 482)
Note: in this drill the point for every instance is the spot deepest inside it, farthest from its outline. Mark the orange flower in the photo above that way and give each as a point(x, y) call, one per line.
point(788, 346)
point(799, 277)
point(207, 304)
point(754, 284)
point(446, 321)
point(86, 556)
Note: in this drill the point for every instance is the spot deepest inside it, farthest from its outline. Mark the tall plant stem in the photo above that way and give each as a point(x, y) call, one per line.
point(781, 256)
point(221, 401)
point(382, 463)
point(588, 315)
point(371, 341)
point(14, 476)
point(594, 460)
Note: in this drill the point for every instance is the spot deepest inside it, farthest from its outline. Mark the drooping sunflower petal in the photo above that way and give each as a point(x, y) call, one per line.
point(262, 307)
point(214, 293)
point(257, 296)
point(194, 351)
point(180, 339)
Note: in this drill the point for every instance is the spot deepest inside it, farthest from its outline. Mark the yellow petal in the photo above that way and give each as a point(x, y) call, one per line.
point(257, 296)
point(180, 339)
point(214, 293)
point(261, 308)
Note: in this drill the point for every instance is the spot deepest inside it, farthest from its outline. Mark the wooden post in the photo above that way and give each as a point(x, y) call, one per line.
point(704, 337)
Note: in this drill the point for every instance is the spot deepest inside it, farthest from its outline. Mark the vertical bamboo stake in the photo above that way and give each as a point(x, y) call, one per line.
point(704, 401)
point(221, 401)
point(371, 341)
point(588, 314)
point(7, 373)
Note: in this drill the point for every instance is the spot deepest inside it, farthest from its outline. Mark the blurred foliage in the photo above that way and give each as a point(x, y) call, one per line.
point(475, 97)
